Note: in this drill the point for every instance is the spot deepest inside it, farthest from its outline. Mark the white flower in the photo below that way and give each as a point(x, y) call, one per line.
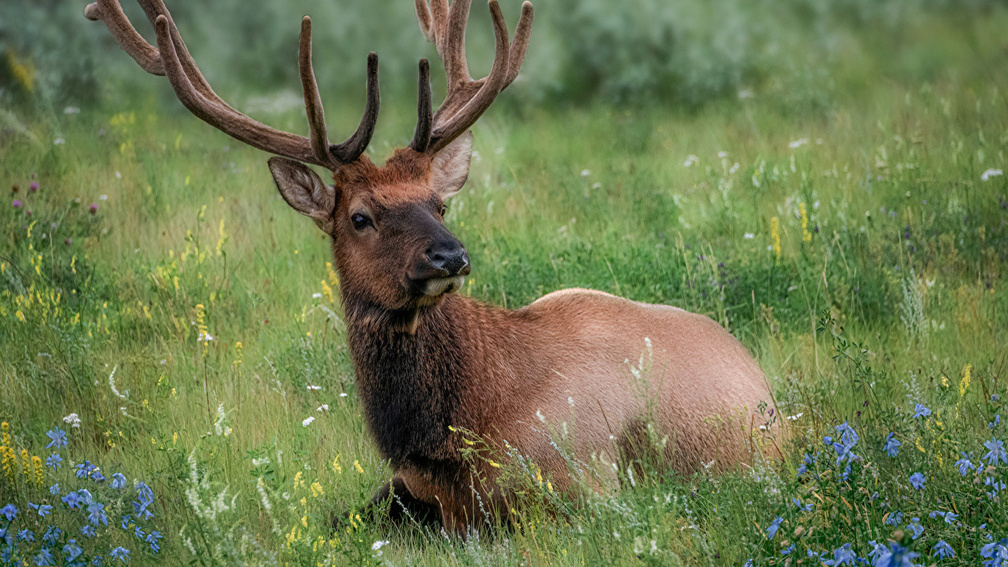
point(323, 407)
point(990, 173)
point(313, 387)
point(105, 197)
point(722, 154)
point(798, 143)
point(378, 544)
point(204, 337)
point(59, 142)
point(307, 421)
point(691, 160)
point(748, 236)
point(585, 172)
point(73, 420)
point(71, 110)
point(795, 416)
point(316, 295)
point(343, 394)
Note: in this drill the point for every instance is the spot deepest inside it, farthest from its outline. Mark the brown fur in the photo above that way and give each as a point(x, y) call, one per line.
point(427, 367)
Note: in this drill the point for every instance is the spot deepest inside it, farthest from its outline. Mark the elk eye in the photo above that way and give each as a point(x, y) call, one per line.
point(444, 209)
point(360, 221)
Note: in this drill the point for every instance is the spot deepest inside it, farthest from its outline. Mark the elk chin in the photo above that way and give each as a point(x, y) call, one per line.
point(435, 289)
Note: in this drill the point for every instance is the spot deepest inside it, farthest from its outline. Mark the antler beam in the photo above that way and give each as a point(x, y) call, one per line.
point(172, 58)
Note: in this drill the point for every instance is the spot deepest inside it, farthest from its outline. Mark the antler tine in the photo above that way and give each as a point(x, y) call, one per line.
point(519, 46)
point(425, 110)
point(488, 89)
point(111, 14)
point(454, 56)
point(172, 58)
point(313, 101)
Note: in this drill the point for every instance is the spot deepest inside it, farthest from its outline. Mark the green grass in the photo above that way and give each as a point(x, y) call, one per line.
point(887, 291)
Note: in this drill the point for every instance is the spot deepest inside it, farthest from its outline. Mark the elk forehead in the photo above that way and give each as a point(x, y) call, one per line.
point(404, 179)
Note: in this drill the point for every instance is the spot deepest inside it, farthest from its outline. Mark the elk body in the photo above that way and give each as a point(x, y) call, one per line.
point(431, 363)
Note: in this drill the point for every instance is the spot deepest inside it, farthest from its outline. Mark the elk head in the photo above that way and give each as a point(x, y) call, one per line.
point(387, 223)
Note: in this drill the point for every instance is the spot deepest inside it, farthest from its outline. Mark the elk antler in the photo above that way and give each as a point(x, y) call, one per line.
point(466, 99)
point(172, 58)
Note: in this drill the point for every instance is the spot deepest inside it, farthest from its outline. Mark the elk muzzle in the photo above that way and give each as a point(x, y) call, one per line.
point(441, 269)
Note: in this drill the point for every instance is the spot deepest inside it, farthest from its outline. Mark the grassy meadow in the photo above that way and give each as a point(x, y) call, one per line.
point(166, 317)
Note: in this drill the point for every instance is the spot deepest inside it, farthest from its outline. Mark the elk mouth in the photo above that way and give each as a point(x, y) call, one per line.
point(436, 287)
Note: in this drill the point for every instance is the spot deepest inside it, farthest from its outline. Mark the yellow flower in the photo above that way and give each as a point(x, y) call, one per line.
point(549, 486)
point(336, 466)
point(26, 463)
point(965, 379)
point(4, 433)
point(38, 469)
point(357, 466)
point(297, 480)
point(806, 235)
point(493, 464)
point(316, 489)
point(775, 237)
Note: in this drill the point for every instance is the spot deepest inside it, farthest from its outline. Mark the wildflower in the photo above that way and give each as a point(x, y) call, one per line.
point(97, 476)
point(964, 465)
point(894, 518)
point(775, 237)
point(120, 553)
point(152, 539)
point(691, 160)
point(16, 204)
point(71, 500)
point(93, 209)
point(44, 557)
point(891, 445)
point(307, 421)
point(915, 528)
point(920, 411)
point(788, 550)
point(895, 556)
point(806, 235)
point(58, 438)
point(54, 489)
point(798, 504)
point(96, 513)
point(54, 461)
point(26, 535)
point(842, 556)
point(950, 517)
point(996, 552)
point(803, 468)
point(378, 545)
point(52, 535)
point(42, 509)
point(943, 550)
point(995, 452)
point(73, 420)
point(9, 511)
point(118, 481)
point(33, 186)
point(798, 143)
point(771, 530)
point(84, 469)
point(88, 530)
point(7, 538)
point(917, 480)
point(996, 485)
point(995, 423)
point(72, 550)
point(138, 532)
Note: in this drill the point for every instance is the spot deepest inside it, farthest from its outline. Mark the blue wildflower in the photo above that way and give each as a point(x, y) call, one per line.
point(138, 533)
point(951, 517)
point(72, 550)
point(842, 556)
point(995, 423)
point(43, 510)
point(891, 445)
point(85, 496)
point(964, 465)
point(895, 556)
point(995, 484)
point(917, 480)
point(771, 531)
point(88, 530)
point(5, 536)
point(52, 535)
point(808, 461)
point(97, 476)
point(788, 550)
point(748, 563)
point(120, 553)
point(800, 506)
point(995, 452)
point(96, 513)
point(152, 539)
point(84, 469)
point(943, 550)
point(125, 522)
point(54, 461)
point(920, 411)
point(26, 535)
point(118, 481)
point(997, 553)
point(9, 511)
point(935, 514)
point(44, 557)
point(894, 518)
point(72, 500)
point(915, 528)
point(54, 489)
point(58, 438)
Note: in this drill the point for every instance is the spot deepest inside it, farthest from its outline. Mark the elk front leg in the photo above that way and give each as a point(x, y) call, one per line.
point(394, 501)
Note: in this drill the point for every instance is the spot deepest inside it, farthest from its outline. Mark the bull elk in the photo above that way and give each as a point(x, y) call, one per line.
point(431, 363)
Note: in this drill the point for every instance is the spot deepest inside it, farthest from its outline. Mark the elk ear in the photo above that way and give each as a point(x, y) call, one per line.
point(450, 167)
point(304, 190)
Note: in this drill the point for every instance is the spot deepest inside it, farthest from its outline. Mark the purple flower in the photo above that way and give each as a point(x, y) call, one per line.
point(917, 480)
point(33, 186)
point(93, 209)
point(17, 204)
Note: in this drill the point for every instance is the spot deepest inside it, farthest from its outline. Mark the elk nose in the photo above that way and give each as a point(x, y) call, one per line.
point(449, 257)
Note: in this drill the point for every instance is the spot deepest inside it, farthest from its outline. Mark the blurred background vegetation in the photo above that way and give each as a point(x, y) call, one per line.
point(683, 53)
